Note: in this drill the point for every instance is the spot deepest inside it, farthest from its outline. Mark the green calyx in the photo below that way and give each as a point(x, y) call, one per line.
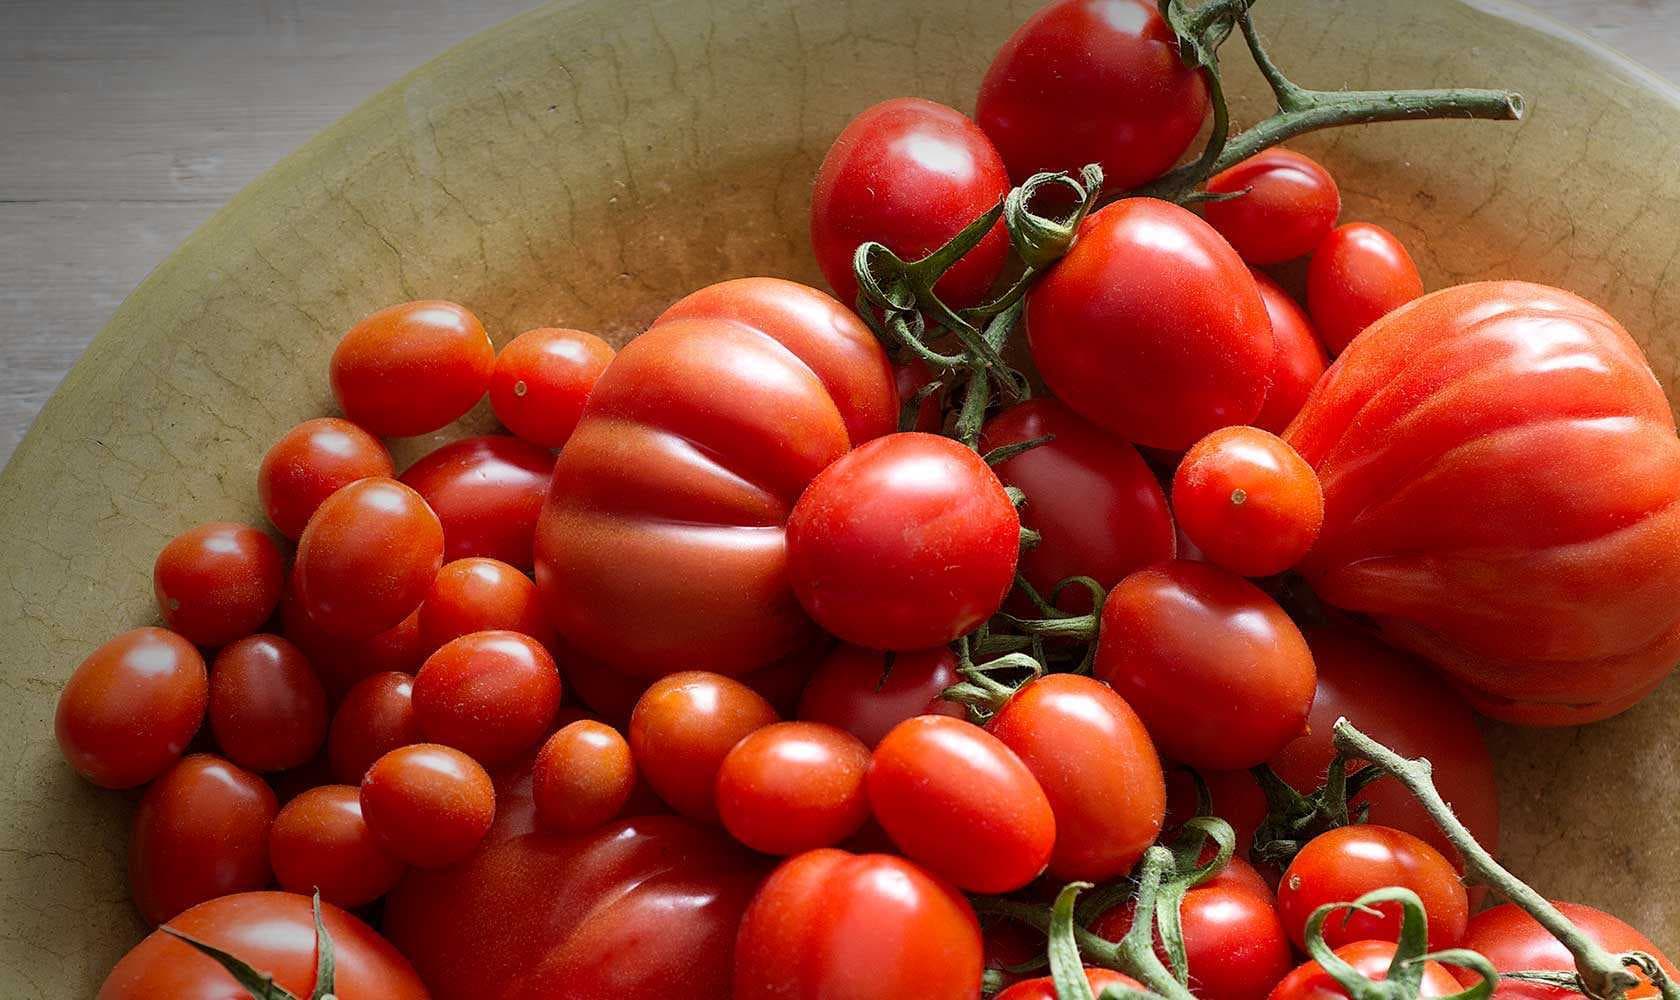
point(261, 985)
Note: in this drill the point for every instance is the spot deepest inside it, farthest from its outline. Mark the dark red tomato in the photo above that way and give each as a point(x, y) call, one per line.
point(319, 842)
point(782, 682)
point(1236, 796)
point(1009, 945)
point(1248, 501)
point(132, 707)
point(910, 174)
point(910, 377)
point(1341, 865)
point(218, 582)
point(412, 368)
point(582, 777)
point(487, 491)
point(1309, 981)
point(491, 695)
point(311, 462)
point(906, 542)
point(1359, 274)
point(428, 805)
point(1044, 988)
point(201, 831)
point(1152, 328)
point(1092, 81)
point(833, 924)
point(478, 595)
point(275, 933)
point(1290, 206)
point(1217, 671)
point(343, 663)
point(958, 801)
point(1512, 940)
point(793, 787)
point(1298, 359)
point(855, 689)
point(683, 727)
point(367, 558)
point(1097, 766)
point(268, 711)
point(542, 379)
point(1234, 946)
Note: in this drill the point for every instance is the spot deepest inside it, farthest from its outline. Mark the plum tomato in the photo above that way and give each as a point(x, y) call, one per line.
point(1358, 274)
point(376, 717)
point(218, 582)
point(1298, 360)
point(1341, 865)
point(1235, 948)
point(412, 368)
point(201, 831)
point(490, 695)
point(582, 777)
point(487, 491)
point(311, 462)
point(867, 692)
point(1248, 501)
point(268, 710)
point(478, 595)
point(542, 379)
point(131, 707)
point(367, 558)
point(1512, 940)
point(1309, 981)
point(1044, 988)
point(793, 787)
point(319, 842)
point(1286, 205)
point(682, 728)
point(911, 377)
point(428, 805)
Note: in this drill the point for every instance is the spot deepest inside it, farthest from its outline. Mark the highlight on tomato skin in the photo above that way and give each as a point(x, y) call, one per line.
point(1246, 500)
point(132, 707)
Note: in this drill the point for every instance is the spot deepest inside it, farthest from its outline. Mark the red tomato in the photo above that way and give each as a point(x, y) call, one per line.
point(543, 378)
point(1298, 359)
point(427, 805)
point(1359, 274)
point(866, 926)
point(1512, 940)
point(342, 663)
point(311, 462)
point(662, 541)
point(1217, 671)
point(1044, 988)
point(855, 689)
point(1289, 207)
point(412, 368)
point(275, 933)
point(910, 377)
point(958, 801)
point(478, 595)
point(907, 542)
point(1341, 865)
point(1008, 944)
point(319, 842)
point(268, 711)
point(1151, 327)
point(1247, 501)
point(201, 831)
point(1234, 946)
point(684, 726)
point(218, 582)
point(582, 778)
point(1484, 510)
point(366, 559)
point(487, 491)
point(793, 787)
point(1092, 81)
point(1310, 982)
point(491, 695)
point(131, 707)
point(1097, 766)
point(1236, 796)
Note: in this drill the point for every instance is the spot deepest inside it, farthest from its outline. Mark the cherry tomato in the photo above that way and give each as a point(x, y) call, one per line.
point(833, 924)
point(311, 462)
point(858, 690)
point(218, 582)
point(793, 787)
point(1097, 766)
point(319, 842)
point(1514, 941)
point(201, 831)
point(376, 717)
point(1044, 988)
point(478, 595)
point(428, 805)
point(1151, 327)
point(487, 491)
point(268, 711)
point(366, 559)
point(1359, 274)
point(1341, 865)
point(343, 663)
point(1309, 981)
point(1092, 81)
point(132, 707)
point(412, 368)
point(906, 542)
point(910, 174)
point(1298, 360)
point(911, 377)
point(543, 378)
point(1234, 946)
point(683, 727)
point(491, 695)
point(958, 801)
point(1248, 501)
point(1217, 671)
point(582, 778)
point(1289, 207)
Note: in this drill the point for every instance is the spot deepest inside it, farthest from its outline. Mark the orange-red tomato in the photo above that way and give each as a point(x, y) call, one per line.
point(218, 582)
point(131, 707)
point(682, 728)
point(1514, 941)
point(857, 690)
point(268, 711)
point(367, 558)
point(428, 805)
point(1298, 360)
point(1286, 205)
point(582, 777)
point(1359, 274)
point(793, 787)
point(311, 462)
point(412, 368)
point(376, 717)
point(1340, 865)
point(487, 492)
point(201, 831)
point(320, 843)
point(1247, 501)
point(491, 695)
point(478, 595)
point(1309, 981)
point(542, 379)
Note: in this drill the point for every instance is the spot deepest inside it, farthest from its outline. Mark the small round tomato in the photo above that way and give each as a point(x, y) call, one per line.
point(491, 695)
point(911, 377)
point(1513, 941)
point(1044, 988)
point(582, 778)
point(320, 843)
point(343, 663)
point(955, 799)
point(1248, 501)
point(1359, 274)
point(478, 595)
point(428, 805)
point(1219, 674)
point(860, 691)
point(201, 831)
point(311, 462)
point(132, 707)
point(793, 787)
point(367, 558)
point(1298, 360)
point(682, 728)
point(543, 378)
point(1341, 865)
point(487, 491)
point(1309, 981)
point(268, 711)
point(910, 174)
point(1286, 205)
point(906, 542)
point(376, 717)
point(218, 582)
point(1234, 946)
point(412, 368)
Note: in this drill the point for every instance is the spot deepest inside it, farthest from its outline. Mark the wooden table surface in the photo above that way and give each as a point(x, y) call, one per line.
point(125, 123)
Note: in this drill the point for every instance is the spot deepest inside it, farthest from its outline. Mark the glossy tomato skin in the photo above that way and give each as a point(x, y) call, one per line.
point(854, 689)
point(1341, 865)
point(582, 777)
point(1359, 274)
point(491, 695)
point(1485, 517)
point(201, 831)
point(1512, 940)
point(131, 707)
point(427, 805)
point(1298, 359)
point(268, 710)
point(1309, 981)
point(1151, 327)
point(367, 558)
point(412, 368)
point(376, 717)
point(477, 595)
point(319, 842)
point(1044, 988)
point(311, 462)
point(684, 726)
point(1290, 206)
point(906, 542)
point(218, 582)
point(1248, 501)
point(1092, 81)
point(793, 787)
point(860, 926)
point(487, 491)
point(1235, 948)
point(343, 663)
point(542, 379)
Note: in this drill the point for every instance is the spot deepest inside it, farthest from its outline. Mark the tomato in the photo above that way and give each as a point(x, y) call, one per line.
point(1097, 766)
point(857, 690)
point(1298, 359)
point(311, 462)
point(793, 787)
point(201, 831)
point(491, 695)
point(907, 542)
point(1092, 81)
point(1008, 944)
point(487, 492)
point(1044, 988)
point(412, 368)
point(582, 778)
point(1286, 205)
point(427, 805)
point(542, 379)
point(275, 933)
point(958, 801)
point(684, 726)
point(319, 842)
point(1309, 981)
point(1247, 501)
point(1512, 940)
point(1341, 865)
point(478, 595)
point(911, 377)
point(1098, 509)
point(661, 545)
point(1217, 671)
point(366, 559)
point(342, 663)
point(861, 926)
point(1236, 798)
point(1151, 327)
point(1360, 273)
point(132, 707)
point(1235, 948)
point(268, 711)
point(1484, 510)
point(910, 174)
point(218, 582)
